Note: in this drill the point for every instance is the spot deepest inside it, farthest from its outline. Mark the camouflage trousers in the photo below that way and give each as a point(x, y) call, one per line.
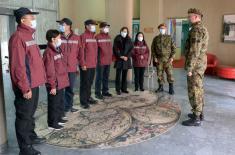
point(196, 93)
point(168, 69)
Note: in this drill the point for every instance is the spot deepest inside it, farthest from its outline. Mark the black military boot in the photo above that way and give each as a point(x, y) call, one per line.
point(29, 150)
point(192, 122)
point(171, 89)
point(160, 89)
point(192, 116)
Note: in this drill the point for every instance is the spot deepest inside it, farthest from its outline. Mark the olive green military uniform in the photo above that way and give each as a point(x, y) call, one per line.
point(196, 62)
point(163, 48)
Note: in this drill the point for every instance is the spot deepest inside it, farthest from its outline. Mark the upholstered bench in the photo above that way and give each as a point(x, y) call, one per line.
point(227, 72)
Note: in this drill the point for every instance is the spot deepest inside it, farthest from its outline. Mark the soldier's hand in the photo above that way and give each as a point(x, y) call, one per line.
point(141, 57)
point(84, 68)
point(53, 91)
point(28, 95)
point(190, 74)
point(155, 59)
point(171, 60)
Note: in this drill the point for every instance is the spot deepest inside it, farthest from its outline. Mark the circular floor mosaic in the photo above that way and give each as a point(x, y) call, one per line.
point(114, 122)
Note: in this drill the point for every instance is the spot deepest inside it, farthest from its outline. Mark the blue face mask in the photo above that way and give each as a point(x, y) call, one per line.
point(61, 28)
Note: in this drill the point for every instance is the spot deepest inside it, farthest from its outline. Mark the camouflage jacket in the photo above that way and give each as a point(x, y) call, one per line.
point(163, 48)
point(195, 49)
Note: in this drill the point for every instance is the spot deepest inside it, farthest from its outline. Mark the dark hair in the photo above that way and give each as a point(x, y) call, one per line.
point(123, 28)
point(52, 34)
point(136, 38)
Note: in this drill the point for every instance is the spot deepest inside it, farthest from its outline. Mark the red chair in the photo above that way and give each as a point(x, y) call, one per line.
point(212, 63)
point(179, 63)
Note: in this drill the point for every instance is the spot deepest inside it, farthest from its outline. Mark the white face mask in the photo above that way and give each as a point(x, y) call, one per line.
point(140, 39)
point(33, 24)
point(58, 43)
point(162, 31)
point(93, 29)
point(123, 34)
point(61, 28)
point(106, 30)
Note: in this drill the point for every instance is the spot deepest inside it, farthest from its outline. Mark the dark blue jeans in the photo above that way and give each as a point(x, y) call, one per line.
point(102, 79)
point(68, 94)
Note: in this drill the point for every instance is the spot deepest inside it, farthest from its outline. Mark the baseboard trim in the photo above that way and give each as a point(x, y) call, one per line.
point(3, 147)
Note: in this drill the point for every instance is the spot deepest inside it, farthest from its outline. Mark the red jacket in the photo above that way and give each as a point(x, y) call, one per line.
point(140, 50)
point(89, 50)
point(105, 50)
point(56, 70)
point(26, 65)
point(70, 48)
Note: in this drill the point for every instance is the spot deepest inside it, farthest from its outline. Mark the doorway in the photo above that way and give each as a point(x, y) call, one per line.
point(178, 28)
point(7, 27)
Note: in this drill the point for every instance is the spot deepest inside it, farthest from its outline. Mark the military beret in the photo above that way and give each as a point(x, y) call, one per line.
point(195, 11)
point(161, 25)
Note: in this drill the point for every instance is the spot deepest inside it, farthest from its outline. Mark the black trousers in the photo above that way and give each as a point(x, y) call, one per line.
point(121, 79)
point(55, 107)
point(102, 79)
point(86, 81)
point(25, 121)
point(68, 93)
point(139, 77)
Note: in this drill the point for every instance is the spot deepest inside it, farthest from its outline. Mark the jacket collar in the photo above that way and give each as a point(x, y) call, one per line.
point(68, 36)
point(25, 28)
point(89, 32)
point(53, 48)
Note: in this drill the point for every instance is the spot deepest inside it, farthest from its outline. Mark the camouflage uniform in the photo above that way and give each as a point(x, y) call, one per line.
point(163, 48)
point(196, 62)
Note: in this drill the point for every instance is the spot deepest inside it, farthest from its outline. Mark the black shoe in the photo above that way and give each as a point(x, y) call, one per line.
point(136, 89)
point(29, 150)
point(193, 116)
point(192, 122)
point(56, 127)
point(160, 89)
point(63, 121)
point(141, 89)
point(171, 89)
point(38, 140)
point(67, 110)
point(85, 106)
point(118, 93)
point(99, 96)
point(73, 110)
point(92, 101)
point(107, 94)
point(125, 91)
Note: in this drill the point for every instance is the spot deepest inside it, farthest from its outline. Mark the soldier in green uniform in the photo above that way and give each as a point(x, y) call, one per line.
point(195, 65)
point(163, 50)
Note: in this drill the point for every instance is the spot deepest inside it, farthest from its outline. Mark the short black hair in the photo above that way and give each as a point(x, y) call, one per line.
point(52, 34)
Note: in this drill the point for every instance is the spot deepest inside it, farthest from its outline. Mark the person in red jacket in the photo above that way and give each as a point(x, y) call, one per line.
point(70, 48)
point(57, 79)
point(105, 53)
point(88, 62)
point(140, 56)
point(27, 74)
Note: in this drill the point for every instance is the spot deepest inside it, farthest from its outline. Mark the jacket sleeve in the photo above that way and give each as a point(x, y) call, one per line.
point(130, 48)
point(17, 52)
point(116, 50)
point(146, 54)
point(79, 51)
point(82, 56)
point(173, 49)
point(50, 70)
point(194, 50)
point(153, 49)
